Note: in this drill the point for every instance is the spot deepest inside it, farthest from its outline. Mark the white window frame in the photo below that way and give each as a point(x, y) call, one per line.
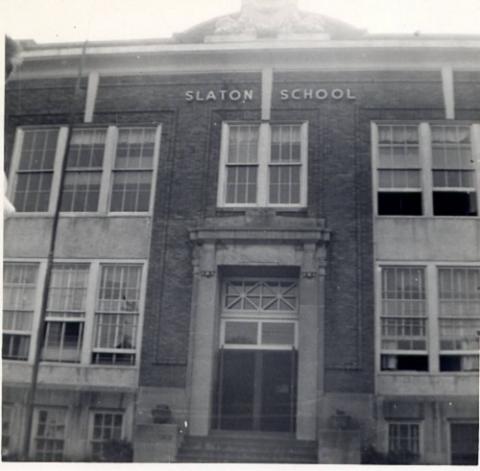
point(399, 421)
point(52, 316)
point(380, 317)
point(259, 317)
point(139, 327)
point(90, 305)
point(106, 176)
point(35, 292)
point(91, 426)
point(457, 352)
point(426, 167)
point(432, 306)
point(263, 165)
point(36, 418)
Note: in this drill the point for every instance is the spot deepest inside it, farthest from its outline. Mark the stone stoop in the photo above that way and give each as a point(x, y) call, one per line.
point(246, 448)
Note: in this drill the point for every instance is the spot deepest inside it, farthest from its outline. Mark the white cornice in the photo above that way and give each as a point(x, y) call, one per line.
point(277, 45)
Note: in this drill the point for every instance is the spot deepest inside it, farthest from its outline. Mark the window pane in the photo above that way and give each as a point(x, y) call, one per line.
point(243, 144)
point(278, 333)
point(135, 148)
point(38, 149)
point(285, 184)
point(261, 295)
point(286, 143)
point(81, 191)
point(241, 333)
point(68, 288)
point(241, 184)
point(86, 149)
point(32, 192)
point(131, 191)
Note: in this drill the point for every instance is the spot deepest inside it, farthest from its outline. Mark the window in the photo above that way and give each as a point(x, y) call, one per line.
point(65, 316)
point(83, 172)
point(116, 317)
point(403, 319)
point(49, 434)
point(35, 169)
point(425, 169)
point(453, 172)
point(107, 169)
point(260, 312)
point(404, 440)
point(20, 280)
point(263, 165)
point(459, 318)
point(7, 410)
point(106, 426)
point(133, 170)
point(399, 170)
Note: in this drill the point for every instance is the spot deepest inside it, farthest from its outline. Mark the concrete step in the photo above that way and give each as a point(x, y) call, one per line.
point(245, 448)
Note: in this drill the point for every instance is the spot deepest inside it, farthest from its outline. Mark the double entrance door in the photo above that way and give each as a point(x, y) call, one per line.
point(256, 390)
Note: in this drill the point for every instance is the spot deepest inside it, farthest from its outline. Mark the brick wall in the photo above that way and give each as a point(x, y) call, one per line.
point(339, 177)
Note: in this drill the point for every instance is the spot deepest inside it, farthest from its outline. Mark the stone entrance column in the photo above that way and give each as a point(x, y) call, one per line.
point(310, 358)
point(204, 309)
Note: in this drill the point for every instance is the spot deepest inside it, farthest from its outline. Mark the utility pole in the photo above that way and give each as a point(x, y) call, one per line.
point(30, 403)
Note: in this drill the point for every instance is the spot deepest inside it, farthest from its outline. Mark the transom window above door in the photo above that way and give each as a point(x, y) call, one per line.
point(263, 165)
point(257, 295)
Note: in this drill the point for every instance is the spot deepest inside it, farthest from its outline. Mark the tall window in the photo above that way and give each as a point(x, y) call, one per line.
point(116, 317)
point(426, 169)
point(404, 439)
point(403, 319)
point(103, 173)
point(35, 169)
point(453, 171)
point(83, 173)
point(285, 164)
point(459, 318)
point(399, 170)
point(106, 426)
point(133, 170)
point(242, 165)
point(263, 165)
point(49, 434)
point(19, 288)
point(65, 317)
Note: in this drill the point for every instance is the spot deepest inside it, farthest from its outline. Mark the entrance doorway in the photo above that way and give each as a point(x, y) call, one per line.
point(257, 359)
point(257, 390)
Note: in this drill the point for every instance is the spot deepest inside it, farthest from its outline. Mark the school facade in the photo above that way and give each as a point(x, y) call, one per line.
point(268, 237)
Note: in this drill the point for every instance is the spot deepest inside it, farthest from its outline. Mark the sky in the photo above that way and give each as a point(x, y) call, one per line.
point(79, 20)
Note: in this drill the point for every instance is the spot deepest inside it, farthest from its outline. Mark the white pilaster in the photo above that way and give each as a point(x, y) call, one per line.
point(448, 92)
point(92, 87)
point(267, 86)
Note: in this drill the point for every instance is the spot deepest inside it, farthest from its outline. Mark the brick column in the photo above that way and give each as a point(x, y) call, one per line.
point(204, 340)
point(310, 371)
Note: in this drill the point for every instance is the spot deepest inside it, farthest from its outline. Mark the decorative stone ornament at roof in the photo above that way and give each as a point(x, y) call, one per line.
point(268, 19)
